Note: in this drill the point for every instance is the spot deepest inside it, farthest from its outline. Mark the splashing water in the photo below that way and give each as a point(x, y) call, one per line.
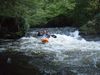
point(60, 45)
point(68, 52)
point(62, 42)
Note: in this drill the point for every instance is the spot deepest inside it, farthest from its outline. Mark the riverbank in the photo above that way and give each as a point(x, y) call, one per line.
point(17, 16)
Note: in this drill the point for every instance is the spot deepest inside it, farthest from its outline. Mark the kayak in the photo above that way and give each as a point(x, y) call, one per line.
point(44, 40)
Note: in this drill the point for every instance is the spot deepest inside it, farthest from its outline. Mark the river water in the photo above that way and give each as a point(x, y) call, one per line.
point(68, 54)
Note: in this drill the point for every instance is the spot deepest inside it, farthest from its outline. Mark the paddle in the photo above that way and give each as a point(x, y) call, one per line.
point(54, 36)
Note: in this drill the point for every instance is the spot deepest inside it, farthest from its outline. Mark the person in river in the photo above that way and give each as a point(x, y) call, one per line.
point(45, 33)
point(44, 36)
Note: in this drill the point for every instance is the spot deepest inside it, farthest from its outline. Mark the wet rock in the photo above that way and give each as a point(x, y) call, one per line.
point(98, 64)
point(66, 71)
point(16, 63)
point(91, 27)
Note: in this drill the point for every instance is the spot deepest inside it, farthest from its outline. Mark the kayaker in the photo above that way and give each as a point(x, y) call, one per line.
point(44, 36)
point(43, 33)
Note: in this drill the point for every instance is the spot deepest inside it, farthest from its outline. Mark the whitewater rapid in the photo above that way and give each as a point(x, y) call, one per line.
point(63, 42)
point(68, 53)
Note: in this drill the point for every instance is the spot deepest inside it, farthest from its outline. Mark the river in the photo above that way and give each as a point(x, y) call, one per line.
point(68, 54)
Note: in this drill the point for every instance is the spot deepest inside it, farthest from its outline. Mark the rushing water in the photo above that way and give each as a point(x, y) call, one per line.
point(68, 54)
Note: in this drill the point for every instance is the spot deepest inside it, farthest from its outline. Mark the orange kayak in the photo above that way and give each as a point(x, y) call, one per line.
point(44, 40)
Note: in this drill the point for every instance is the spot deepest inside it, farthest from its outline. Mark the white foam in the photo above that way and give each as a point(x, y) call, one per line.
point(62, 42)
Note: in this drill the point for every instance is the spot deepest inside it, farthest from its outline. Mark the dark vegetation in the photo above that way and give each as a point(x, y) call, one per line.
point(20, 14)
point(12, 27)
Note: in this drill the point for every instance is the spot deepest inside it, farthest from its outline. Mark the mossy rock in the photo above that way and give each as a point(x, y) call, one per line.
point(88, 29)
point(91, 27)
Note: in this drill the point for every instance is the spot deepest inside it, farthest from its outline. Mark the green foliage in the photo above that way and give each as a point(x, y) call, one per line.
point(97, 23)
point(85, 10)
point(39, 12)
point(36, 11)
point(23, 25)
point(15, 7)
point(47, 9)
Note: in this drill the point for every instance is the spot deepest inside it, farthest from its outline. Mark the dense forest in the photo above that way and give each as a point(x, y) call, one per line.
point(84, 14)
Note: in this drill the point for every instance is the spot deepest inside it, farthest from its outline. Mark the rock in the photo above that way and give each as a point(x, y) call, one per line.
point(91, 27)
point(16, 63)
point(66, 71)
